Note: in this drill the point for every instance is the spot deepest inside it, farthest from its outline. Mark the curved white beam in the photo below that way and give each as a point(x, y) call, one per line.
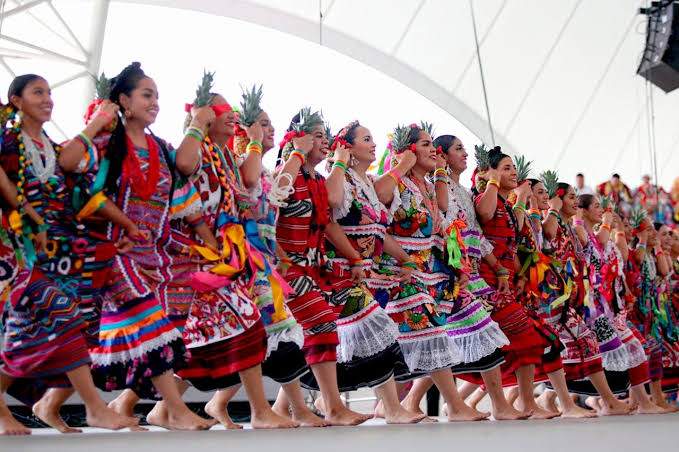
point(298, 26)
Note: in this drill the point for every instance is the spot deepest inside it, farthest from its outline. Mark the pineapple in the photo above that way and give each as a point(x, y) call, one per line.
point(250, 106)
point(399, 139)
point(637, 217)
point(329, 135)
point(307, 120)
point(522, 168)
point(102, 91)
point(204, 89)
point(550, 180)
point(102, 87)
point(606, 203)
point(481, 155)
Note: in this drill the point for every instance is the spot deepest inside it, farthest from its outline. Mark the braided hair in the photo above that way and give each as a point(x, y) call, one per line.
point(116, 151)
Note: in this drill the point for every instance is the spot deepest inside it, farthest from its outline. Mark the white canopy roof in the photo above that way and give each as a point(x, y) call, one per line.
point(560, 74)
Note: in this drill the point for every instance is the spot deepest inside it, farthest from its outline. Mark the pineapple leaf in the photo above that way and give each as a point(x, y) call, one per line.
point(399, 138)
point(328, 134)
point(250, 108)
point(307, 120)
point(102, 87)
point(522, 168)
point(637, 216)
point(606, 202)
point(427, 127)
point(203, 91)
point(550, 179)
point(481, 155)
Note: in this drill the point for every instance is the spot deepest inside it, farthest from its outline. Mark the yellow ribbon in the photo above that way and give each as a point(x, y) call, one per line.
point(95, 203)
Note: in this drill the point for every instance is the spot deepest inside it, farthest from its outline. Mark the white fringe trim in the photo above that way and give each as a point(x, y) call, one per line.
point(616, 360)
point(293, 334)
point(107, 359)
point(481, 343)
point(429, 353)
point(366, 336)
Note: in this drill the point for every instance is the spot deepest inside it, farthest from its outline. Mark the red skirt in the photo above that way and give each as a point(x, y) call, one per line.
point(216, 365)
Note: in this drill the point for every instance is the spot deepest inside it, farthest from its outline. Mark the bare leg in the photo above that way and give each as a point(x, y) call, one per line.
point(659, 399)
point(501, 409)
point(610, 405)
point(646, 405)
point(300, 411)
point(8, 424)
point(262, 414)
point(335, 411)
point(160, 415)
point(217, 407)
point(179, 417)
point(413, 399)
point(124, 403)
point(526, 401)
point(568, 408)
point(98, 414)
point(282, 404)
point(394, 413)
point(457, 409)
point(467, 389)
point(547, 400)
point(47, 409)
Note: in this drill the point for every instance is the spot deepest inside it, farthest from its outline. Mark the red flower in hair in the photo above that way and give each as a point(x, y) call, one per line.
point(439, 150)
point(561, 192)
point(414, 126)
point(412, 147)
point(287, 138)
point(340, 141)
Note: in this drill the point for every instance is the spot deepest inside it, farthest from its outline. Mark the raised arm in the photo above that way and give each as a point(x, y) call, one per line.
point(384, 186)
point(335, 181)
point(188, 152)
point(251, 169)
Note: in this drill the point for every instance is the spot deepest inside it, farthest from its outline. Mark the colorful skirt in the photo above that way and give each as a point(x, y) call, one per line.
point(311, 309)
point(136, 343)
point(215, 365)
point(42, 331)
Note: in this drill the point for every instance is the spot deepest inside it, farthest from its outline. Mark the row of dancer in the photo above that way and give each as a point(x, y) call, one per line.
point(133, 265)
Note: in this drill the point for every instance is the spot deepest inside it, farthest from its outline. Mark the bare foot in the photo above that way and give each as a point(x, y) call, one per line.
point(575, 412)
point(650, 408)
point(269, 419)
point(616, 408)
point(222, 416)
point(409, 404)
point(183, 419)
point(539, 413)
point(306, 418)
point(464, 413)
point(547, 400)
point(403, 416)
point(509, 413)
point(50, 416)
point(379, 410)
point(106, 418)
point(122, 405)
point(344, 416)
point(512, 394)
point(320, 405)
point(9, 426)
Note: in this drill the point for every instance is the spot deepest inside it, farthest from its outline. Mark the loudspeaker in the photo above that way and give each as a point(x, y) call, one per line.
point(660, 61)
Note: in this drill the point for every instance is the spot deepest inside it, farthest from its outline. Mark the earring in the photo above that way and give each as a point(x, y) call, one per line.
point(352, 161)
point(128, 114)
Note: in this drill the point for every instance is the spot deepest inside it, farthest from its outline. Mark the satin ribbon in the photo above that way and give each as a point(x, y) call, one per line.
point(218, 109)
point(536, 264)
point(95, 203)
point(16, 223)
point(454, 243)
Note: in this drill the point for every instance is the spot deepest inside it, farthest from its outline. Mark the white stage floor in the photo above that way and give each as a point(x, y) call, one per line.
point(615, 434)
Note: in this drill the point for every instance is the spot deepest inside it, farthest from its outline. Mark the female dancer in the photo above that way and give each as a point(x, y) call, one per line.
point(42, 324)
point(531, 344)
point(601, 273)
point(301, 234)
point(368, 351)
point(139, 348)
point(420, 306)
point(581, 356)
point(483, 336)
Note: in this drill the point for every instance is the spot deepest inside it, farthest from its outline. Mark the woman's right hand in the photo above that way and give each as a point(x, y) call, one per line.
point(203, 117)
point(502, 285)
point(303, 144)
point(406, 160)
point(342, 154)
point(555, 203)
point(107, 111)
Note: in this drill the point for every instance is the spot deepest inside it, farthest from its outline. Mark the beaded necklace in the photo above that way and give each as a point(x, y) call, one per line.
point(227, 171)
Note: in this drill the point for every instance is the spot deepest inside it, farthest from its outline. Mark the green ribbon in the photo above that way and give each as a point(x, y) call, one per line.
point(454, 251)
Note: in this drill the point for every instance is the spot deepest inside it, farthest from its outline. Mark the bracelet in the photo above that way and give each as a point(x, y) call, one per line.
point(577, 222)
point(395, 175)
point(620, 233)
point(440, 172)
point(502, 272)
point(340, 164)
point(641, 246)
point(195, 133)
point(85, 140)
point(254, 146)
point(443, 179)
point(659, 253)
point(493, 182)
point(555, 213)
point(355, 262)
point(605, 226)
point(299, 155)
point(521, 205)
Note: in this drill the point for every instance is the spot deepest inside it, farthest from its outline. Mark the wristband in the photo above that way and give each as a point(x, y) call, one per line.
point(340, 164)
point(299, 155)
point(493, 182)
point(577, 222)
point(254, 146)
point(605, 226)
point(409, 264)
point(521, 205)
point(355, 262)
point(193, 224)
point(440, 172)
